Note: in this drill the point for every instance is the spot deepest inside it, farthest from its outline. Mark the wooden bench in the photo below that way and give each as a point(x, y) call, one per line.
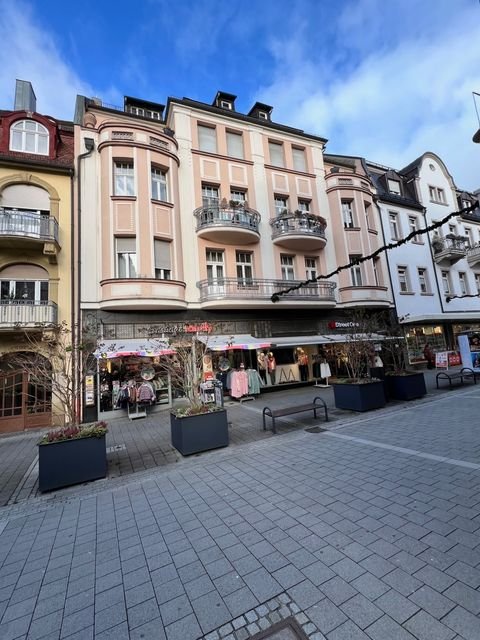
point(317, 403)
point(464, 374)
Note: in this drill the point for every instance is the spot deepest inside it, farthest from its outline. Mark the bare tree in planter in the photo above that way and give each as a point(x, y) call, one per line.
point(55, 362)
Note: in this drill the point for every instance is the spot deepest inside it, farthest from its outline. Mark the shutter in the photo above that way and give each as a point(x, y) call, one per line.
point(207, 139)
point(162, 254)
point(126, 245)
point(299, 159)
point(234, 144)
point(276, 154)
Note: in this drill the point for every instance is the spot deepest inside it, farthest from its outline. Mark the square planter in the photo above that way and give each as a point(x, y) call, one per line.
point(193, 434)
point(359, 397)
point(61, 464)
point(406, 387)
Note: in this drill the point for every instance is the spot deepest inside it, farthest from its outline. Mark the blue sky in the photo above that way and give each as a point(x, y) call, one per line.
point(385, 79)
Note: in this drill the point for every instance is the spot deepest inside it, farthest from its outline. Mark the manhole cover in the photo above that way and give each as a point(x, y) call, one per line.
point(315, 430)
point(288, 629)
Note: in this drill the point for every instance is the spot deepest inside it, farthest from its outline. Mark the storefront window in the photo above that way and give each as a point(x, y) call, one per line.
point(416, 338)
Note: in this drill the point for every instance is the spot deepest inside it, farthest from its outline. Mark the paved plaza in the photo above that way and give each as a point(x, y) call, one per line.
point(370, 530)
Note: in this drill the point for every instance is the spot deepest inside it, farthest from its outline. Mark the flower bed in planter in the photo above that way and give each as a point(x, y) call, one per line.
point(71, 456)
point(408, 385)
point(359, 396)
point(199, 432)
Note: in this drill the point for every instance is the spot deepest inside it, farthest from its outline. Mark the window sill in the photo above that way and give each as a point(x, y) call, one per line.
point(444, 204)
point(418, 242)
point(352, 228)
point(374, 231)
point(129, 198)
point(165, 203)
point(427, 294)
point(407, 293)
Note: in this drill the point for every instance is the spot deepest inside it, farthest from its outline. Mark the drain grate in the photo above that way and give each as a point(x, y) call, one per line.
point(315, 430)
point(287, 629)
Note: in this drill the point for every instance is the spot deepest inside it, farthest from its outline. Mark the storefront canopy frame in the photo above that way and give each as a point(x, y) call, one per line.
point(294, 341)
point(108, 349)
point(227, 343)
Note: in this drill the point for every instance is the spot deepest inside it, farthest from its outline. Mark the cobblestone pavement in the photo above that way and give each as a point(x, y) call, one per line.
point(370, 531)
point(143, 444)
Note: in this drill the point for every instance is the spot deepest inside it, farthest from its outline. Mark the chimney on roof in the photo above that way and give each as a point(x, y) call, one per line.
point(25, 99)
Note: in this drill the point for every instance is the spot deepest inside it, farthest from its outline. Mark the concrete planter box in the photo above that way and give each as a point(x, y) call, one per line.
point(406, 387)
point(202, 432)
point(359, 397)
point(61, 464)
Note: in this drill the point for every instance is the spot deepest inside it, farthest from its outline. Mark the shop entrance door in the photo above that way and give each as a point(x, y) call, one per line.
point(23, 404)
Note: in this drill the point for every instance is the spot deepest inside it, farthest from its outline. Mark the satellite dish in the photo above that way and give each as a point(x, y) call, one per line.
point(476, 137)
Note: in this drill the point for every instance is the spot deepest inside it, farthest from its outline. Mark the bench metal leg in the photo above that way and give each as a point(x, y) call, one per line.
point(274, 430)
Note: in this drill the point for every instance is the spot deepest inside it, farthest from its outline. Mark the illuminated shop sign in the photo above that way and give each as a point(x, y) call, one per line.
point(334, 324)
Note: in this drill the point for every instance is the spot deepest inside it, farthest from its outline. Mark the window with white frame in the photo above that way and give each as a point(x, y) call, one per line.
point(210, 195)
point(446, 282)
point(310, 268)
point(477, 282)
point(29, 136)
point(207, 138)
point(413, 227)
point(124, 179)
point(304, 206)
point(235, 144)
point(288, 271)
point(226, 104)
point(276, 154)
point(436, 194)
point(466, 204)
point(394, 226)
point(159, 184)
point(368, 209)
point(24, 291)
point(394, 187)
point(356, 272)
point(462, 279)
point(376, 272)
point(347, 214)
point(299, 162)
point(423, 280)
point(281, 205)
point(238, 196)
point(215, 265)
point(126, 251)
point(403, 283)
point(244, 267)
point(469, 236)
point(452, 229)
point(163, 264)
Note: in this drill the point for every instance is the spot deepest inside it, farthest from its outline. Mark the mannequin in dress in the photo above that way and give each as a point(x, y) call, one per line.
point(262, 365)
point(271, 365)
point(302, 360)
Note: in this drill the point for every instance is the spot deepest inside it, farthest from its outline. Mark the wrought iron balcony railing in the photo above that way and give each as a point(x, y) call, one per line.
point(449, 244)
point(28, 223)
point(234, 288)
point(298, 223)
point(217, 215)
point(30, 313)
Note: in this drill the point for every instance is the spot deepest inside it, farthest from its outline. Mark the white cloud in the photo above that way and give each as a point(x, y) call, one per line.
point(408, 95)
point(30, 53)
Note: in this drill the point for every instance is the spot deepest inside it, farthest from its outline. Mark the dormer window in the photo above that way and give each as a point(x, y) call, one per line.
point(394, 187)
point(29, 136)
point(263, 115)
point(225, 104)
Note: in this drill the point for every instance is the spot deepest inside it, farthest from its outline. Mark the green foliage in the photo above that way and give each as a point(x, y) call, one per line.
point(95, 430)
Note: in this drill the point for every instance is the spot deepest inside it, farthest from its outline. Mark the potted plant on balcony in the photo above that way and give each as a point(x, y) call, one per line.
point(358, 392)
point(72, 455)
point(195, 426)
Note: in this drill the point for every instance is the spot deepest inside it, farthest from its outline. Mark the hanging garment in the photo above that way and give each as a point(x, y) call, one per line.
point(316, 370)
point(222, 376)
point(254, 382)
point(239, 384)
point(325, 370)
point(145, 393)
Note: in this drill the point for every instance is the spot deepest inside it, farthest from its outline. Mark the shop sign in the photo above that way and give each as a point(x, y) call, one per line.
point(89, 391)
point(175, 328)
point(441, 360)
point(454, 359)
point(334, 324)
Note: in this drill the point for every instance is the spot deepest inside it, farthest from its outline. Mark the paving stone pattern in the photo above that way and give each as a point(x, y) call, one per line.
point(354, 540)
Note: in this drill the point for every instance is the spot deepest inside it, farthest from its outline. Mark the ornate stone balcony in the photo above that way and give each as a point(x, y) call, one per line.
point(299, 231)
point(228, 224)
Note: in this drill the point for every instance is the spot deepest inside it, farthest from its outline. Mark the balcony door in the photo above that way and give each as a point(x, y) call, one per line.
point(215, 273)
point(24, 291)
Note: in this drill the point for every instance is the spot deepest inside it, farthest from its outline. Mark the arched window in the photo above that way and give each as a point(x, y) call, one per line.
point(29, 136)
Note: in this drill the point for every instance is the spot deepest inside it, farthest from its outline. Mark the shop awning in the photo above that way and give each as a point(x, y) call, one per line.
point(294, 341)
point(119, 348)
point(239, 341)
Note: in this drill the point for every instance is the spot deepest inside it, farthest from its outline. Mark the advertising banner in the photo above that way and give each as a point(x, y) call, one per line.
point(441, 360)
point(470, 358)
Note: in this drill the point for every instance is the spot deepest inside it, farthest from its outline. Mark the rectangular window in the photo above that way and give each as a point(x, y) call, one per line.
point(237, 196)
point(466, 204)
point(452, 229)
point(276, 154)
point(394, 187)
point(288, 272)
point(124, 179)
point(304, 206)
point(413, 227)
point(376, 272)
point(368, 209)
point(446, 281)
point(210, 196)
point(347, 214)
point(436, 194)
point(403, 279)
point(441, 195)
point(235, 144)
point(214, 265)
point(126, 257)
point(477, 282)
point(356, 272)
point(159, 184)
point(310, 268)
point(423, 281)
point(281, 206)
point(469, 236)
point(299, 163)
point(163, 266)
point(207, 139)
point(462, 278)
point(244, 268)
point(394, 229)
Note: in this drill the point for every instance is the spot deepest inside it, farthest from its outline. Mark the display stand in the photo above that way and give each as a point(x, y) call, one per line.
point(325, 374)
point(134, 412)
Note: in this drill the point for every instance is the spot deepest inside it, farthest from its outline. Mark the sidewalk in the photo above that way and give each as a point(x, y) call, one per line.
point(368, 531)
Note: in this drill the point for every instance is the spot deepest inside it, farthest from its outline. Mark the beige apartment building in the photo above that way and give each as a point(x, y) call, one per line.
point(194, 215)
